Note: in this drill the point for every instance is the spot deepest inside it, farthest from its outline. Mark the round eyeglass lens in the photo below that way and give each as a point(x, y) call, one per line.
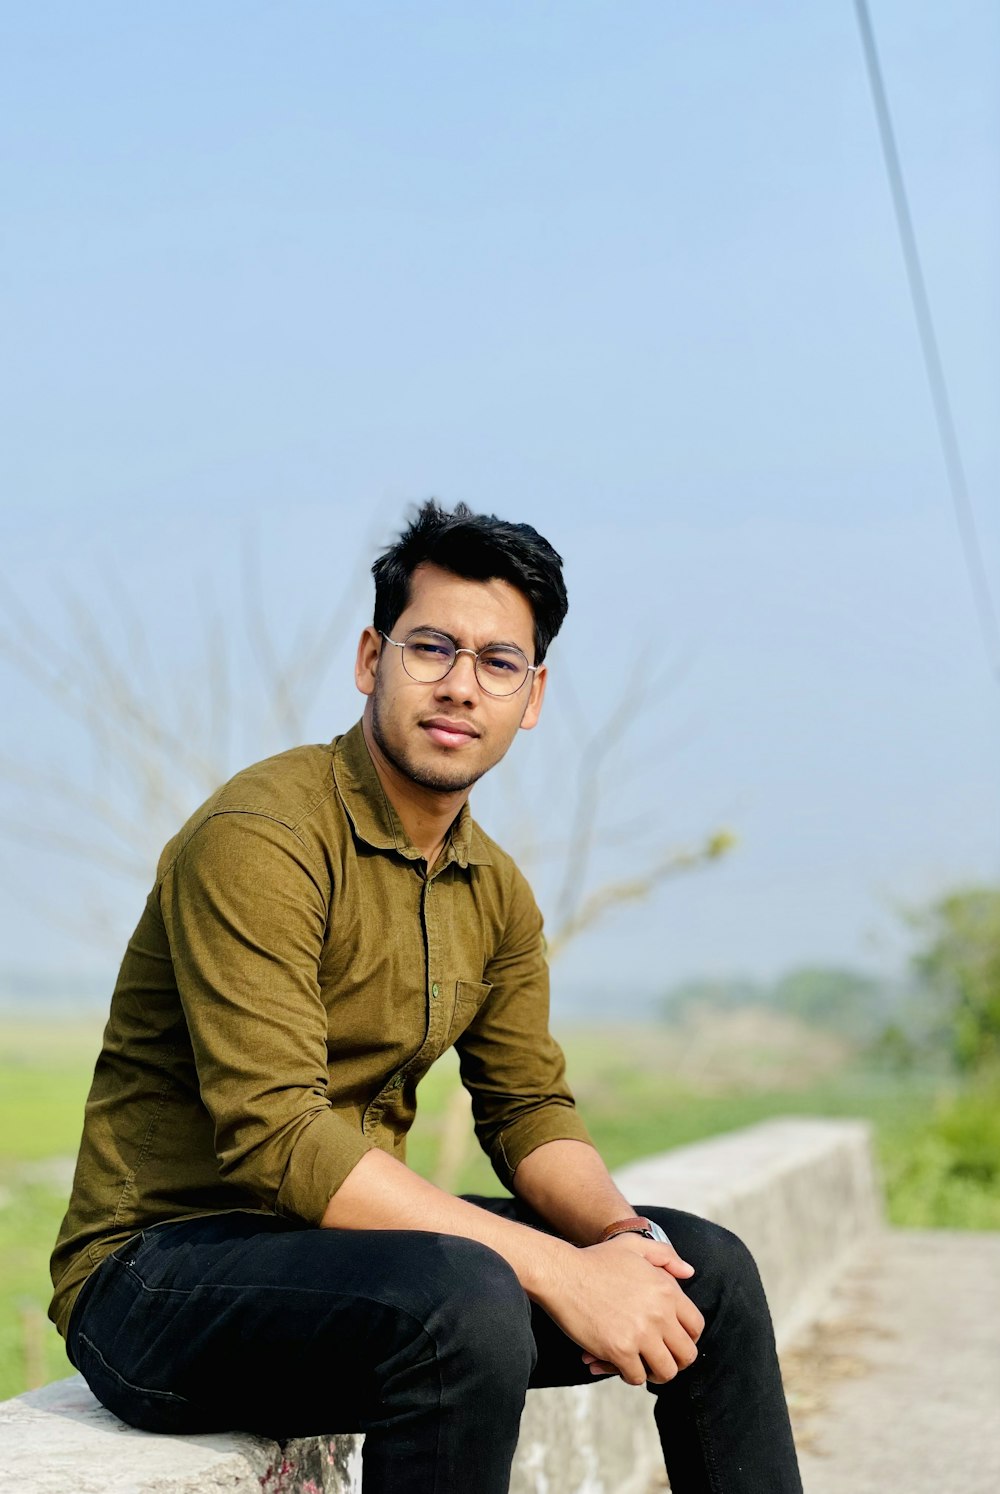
point(428, 656)
point(501, 670)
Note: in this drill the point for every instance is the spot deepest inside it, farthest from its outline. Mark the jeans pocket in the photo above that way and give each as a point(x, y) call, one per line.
point(141, 1406)
point(120, 1340)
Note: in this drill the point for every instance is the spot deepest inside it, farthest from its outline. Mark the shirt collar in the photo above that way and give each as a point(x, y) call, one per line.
point(375, 820)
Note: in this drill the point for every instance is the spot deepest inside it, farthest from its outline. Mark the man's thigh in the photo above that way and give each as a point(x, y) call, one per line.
point(560, 1360)
point(244, 1320)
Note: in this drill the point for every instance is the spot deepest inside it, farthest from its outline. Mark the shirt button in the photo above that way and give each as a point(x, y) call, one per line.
point(435, 990)
point(395, 1081)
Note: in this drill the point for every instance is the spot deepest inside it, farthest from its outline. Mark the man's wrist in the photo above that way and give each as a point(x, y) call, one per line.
point(635, 1224)
point(542, 1266)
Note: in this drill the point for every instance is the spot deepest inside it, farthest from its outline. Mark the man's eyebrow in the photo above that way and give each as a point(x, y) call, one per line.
point(433, 628)
point(443, 633)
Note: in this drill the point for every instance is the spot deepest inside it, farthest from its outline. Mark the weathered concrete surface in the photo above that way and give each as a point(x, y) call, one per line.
point(802, 1195)
point(60, 1440)
point(896, 1390)
point(593, 1439)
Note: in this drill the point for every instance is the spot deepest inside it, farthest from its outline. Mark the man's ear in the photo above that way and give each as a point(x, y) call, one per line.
point(536, 694)
point(366, 664)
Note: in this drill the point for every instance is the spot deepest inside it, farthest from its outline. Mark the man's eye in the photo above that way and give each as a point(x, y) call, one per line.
point(430, 650)
point(501, 663)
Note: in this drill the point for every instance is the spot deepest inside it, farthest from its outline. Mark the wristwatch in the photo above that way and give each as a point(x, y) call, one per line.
point(636, 1226)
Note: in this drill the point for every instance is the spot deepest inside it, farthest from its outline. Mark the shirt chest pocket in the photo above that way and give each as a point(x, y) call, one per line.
point(469, 998)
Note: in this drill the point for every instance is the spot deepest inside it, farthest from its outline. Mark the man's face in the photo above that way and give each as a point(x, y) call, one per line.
point(445, 735)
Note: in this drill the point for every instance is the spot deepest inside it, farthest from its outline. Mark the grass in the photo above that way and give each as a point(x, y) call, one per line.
point(640, 1090)
point(44, 1077)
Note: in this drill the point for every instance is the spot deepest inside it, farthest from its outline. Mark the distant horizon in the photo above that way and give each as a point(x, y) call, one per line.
point(91, 991)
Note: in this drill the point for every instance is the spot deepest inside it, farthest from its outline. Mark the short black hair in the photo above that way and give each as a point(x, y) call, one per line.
point(478, 547)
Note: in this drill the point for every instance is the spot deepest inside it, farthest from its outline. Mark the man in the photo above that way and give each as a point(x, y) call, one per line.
point(245, 1246)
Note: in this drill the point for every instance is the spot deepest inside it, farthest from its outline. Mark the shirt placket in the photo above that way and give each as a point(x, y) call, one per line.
point(440, 994)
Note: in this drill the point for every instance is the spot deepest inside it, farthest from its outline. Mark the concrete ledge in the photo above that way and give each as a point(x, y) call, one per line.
point(801, 1193)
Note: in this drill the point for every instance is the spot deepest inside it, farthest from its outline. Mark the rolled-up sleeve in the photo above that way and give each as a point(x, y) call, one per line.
point(511, 1065)
point(246, 911)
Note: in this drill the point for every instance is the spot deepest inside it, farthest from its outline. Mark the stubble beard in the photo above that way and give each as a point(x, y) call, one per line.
point(438, 780)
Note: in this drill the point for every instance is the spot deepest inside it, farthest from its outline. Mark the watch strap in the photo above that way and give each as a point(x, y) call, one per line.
point(634, 1226)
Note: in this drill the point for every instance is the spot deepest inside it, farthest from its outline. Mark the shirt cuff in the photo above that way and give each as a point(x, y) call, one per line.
point(326, 1151)
point(558, 1121)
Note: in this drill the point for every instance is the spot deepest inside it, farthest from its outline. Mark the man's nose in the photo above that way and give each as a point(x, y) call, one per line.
point(461, 682)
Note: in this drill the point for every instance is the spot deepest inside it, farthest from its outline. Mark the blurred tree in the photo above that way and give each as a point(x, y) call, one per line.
point(711, 993)
point(851, 1003)
point(960, 967)
point(845, 1001)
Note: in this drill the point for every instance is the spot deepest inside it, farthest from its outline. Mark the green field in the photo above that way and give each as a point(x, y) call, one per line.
point(640, 1090)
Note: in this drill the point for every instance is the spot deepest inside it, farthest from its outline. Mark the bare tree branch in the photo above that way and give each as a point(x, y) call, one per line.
point(30, 834)
point(52, 786)
point(592, 758)
point(633, 889)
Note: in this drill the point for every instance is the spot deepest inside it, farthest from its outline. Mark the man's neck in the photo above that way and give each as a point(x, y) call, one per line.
point(426, 814)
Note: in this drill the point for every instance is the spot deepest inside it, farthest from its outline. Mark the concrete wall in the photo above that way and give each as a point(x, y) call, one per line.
point(801, 1193)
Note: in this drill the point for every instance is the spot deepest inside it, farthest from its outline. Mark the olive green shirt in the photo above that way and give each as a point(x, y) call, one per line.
point(295, 973)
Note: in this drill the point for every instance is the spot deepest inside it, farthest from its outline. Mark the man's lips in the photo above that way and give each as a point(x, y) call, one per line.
point(449, 733)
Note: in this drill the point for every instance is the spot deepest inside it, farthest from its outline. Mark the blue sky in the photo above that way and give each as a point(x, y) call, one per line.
point(273, 272)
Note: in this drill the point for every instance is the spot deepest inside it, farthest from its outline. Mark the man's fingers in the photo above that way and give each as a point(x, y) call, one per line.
point(656, 1252)
point(690, 1318)
point(661, 1364)
point(675, 1263)
point(633, 1371)
point(681, 1346)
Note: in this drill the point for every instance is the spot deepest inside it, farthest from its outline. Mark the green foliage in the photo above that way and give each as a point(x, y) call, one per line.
point(29, 1218)
point(968, 1124)
point(847, 1002)
point(851, 1003)
point(894, 1048)
point(960, 965)
point(711, 993)
point(945, 1172)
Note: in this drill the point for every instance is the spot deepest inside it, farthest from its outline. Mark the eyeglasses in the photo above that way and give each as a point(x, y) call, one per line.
point(501, 668)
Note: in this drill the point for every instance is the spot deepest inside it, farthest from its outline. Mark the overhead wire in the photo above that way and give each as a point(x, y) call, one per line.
point(986, 610)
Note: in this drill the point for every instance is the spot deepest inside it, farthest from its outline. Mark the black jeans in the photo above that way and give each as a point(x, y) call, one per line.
point(425, 1342)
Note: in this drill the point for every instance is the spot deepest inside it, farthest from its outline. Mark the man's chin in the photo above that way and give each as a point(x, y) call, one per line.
point(443, 778)
point(434, 769)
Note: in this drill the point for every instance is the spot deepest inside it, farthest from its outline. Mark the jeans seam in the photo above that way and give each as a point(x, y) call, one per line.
point(156, 1291)
point(702, 1423)
point(166, 1395)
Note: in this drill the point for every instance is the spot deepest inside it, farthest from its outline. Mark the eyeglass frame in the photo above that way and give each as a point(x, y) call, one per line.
point(493, 694)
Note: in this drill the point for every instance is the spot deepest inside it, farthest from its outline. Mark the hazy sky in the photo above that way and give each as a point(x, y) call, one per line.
point(628, 271)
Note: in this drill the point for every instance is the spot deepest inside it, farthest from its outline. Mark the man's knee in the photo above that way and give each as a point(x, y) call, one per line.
point(481, 1319)
point(726, 1283)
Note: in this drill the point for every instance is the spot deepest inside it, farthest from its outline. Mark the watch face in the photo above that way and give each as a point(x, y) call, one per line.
point(657, 1233)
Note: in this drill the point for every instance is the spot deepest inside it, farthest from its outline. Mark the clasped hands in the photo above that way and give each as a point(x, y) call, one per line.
point(642, 1324)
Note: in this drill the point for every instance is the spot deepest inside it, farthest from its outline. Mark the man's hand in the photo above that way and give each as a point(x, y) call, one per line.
point(621, 1302)
point(674, 1265)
